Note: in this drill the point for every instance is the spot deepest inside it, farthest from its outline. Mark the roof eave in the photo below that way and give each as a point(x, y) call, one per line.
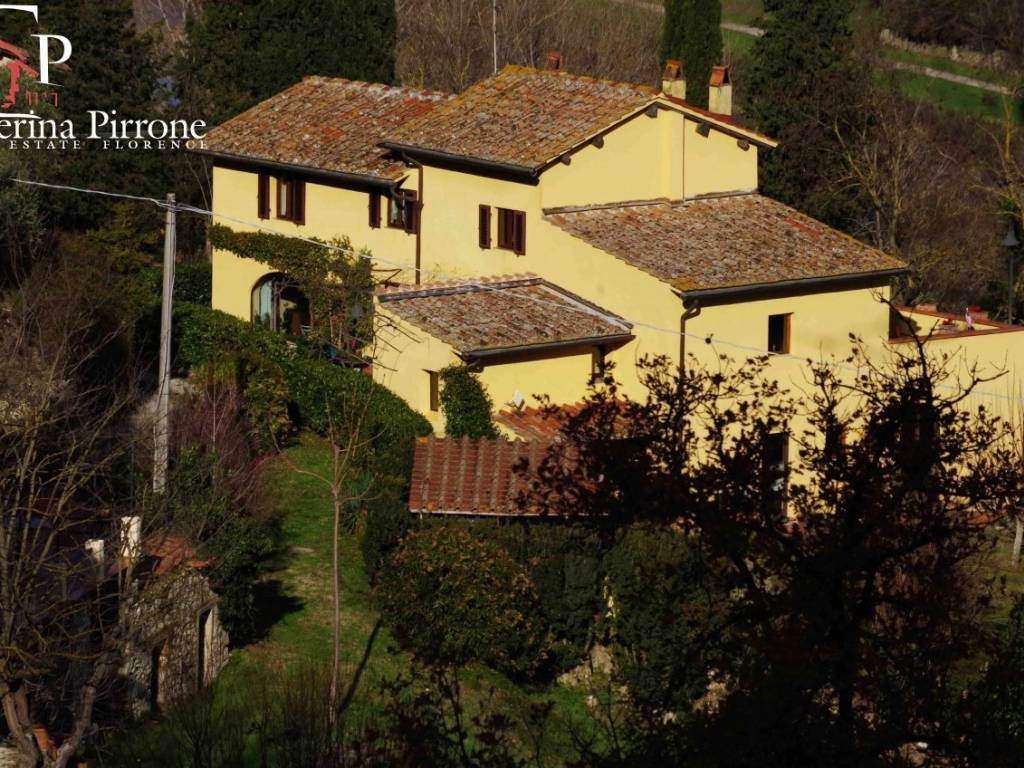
point(589, 341)
point(323, 174)
point(506, 171)
point(736, 131)
point(827, 282)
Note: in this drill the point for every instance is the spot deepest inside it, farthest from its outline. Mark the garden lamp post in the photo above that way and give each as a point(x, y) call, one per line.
point(1010, 243)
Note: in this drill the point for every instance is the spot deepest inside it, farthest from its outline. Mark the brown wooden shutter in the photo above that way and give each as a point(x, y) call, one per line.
point(519, 232)
point(375, 210)
point(485, 226)
point(263, 197)
point(299, 201)
point(411, 210)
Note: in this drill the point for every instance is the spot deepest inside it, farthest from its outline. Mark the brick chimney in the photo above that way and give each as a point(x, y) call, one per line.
point(553, 61)
point(673, 81)
point(720, 90)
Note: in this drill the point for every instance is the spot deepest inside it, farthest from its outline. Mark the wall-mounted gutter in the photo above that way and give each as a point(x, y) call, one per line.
point(506, 171)
point(482, 355)
point(333, 178)
point(731, 294)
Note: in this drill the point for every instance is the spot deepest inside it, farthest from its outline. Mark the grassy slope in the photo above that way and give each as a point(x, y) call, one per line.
point(947, 95)
point(304, 634)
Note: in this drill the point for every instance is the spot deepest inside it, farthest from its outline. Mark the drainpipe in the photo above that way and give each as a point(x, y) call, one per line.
point(419, 210)
point(691, 309)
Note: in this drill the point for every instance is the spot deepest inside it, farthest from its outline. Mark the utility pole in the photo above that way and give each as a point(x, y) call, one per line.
point(160, 423)
point(494, 32)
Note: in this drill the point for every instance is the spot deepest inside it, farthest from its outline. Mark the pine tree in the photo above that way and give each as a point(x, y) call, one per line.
point(693, 35)
point(802, 81)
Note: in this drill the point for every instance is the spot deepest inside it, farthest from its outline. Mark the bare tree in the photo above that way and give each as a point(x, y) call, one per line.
point(57, 449)
point(450, 44)
point(924, 195)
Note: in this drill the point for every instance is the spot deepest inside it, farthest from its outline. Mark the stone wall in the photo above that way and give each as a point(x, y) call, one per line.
point(172, 614)
point(997, 60)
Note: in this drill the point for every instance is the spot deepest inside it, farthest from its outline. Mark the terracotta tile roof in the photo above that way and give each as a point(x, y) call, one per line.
point(536, 422)
point(497, 313)
point(325, 123)
point(523, 117)
point(471, 477)
point(722, 242)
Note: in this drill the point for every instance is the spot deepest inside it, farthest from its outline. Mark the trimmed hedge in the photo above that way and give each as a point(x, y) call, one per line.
point(275, 374)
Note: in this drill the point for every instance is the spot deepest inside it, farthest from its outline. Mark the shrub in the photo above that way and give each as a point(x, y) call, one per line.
point(275, 374)
point(989, 720)
point(455, 598)
point(665, 601)
point(193, 282)
point(387, 520)
point(466, 404)
point(564, 563)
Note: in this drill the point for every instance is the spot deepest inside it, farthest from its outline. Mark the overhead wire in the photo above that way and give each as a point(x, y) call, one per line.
point(710, 338)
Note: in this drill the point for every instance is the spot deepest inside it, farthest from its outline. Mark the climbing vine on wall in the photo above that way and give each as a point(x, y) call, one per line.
point(336, 279)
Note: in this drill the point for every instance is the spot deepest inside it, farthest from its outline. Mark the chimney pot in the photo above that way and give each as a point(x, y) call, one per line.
point(553, 61)
point(673, 80)
point(720, 90)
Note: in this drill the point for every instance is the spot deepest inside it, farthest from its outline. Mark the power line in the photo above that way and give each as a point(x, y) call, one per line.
point(710, 338)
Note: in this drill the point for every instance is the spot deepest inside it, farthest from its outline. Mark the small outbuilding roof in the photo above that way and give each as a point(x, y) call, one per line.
point(471, 477)
point(488, 316)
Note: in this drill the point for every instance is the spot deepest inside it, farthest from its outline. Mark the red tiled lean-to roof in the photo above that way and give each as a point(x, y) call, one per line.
point(722, 242)
point(536, 422)
point(470, 477)
point(499, 313)
point(523, 117)
point(325, 123)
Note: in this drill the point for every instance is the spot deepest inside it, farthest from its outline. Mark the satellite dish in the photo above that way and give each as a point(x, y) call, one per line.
point(518, 400)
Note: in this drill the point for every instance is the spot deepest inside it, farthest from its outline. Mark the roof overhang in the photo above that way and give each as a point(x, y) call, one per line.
point(505, 171)
point(334, 178)
point(715, 121)
point(492, 353)
point(731, 294)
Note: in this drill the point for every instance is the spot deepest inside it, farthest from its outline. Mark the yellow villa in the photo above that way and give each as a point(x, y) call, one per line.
point(542, 224)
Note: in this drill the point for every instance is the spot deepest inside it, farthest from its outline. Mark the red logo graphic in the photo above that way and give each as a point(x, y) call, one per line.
point(16, 63)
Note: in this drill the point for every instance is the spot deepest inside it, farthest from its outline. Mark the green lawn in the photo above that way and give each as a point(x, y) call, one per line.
point(953, 96)
point(302, 633)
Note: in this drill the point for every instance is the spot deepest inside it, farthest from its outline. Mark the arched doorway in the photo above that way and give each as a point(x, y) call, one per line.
point(278, 304)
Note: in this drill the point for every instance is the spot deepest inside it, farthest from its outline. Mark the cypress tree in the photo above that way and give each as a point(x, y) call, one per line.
point(693, 34)
point(802, 82)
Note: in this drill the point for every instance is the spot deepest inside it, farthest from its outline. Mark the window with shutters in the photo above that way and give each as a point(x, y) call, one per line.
point(291, 199)
point(485, 226)
point(512, 230)
point(403, 210)
point(263, 196)
point(435, 390)
point(374, 210)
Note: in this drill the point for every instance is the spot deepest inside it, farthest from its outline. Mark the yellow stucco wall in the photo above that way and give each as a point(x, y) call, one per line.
point(405, 354)
point(716, 163)
point(330, 212)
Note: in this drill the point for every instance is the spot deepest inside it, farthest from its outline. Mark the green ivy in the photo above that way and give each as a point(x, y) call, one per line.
point(466, 404)
point(337, 280)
